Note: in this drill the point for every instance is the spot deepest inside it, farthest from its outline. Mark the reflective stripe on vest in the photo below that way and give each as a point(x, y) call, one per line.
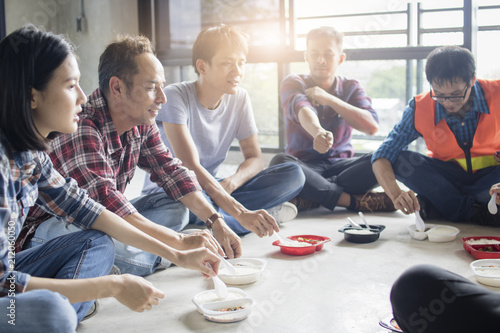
point(440, 140)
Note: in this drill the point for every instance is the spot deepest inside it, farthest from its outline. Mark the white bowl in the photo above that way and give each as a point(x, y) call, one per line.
point(419, 235)
point(210, 296)
point(228, 311)
point(487, 271)
point(248, 270)
point(442, 233)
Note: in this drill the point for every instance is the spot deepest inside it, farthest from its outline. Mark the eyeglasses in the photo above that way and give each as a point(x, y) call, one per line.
point(442, 99)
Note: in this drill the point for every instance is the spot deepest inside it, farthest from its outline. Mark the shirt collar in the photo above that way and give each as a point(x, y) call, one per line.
point(97, 102)
point(477, 107)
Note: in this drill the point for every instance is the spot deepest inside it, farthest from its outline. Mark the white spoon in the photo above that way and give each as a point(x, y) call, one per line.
point(219, 285)
point(492, 204)
point(354, 224)
point(230, 268)
point(282, 239)
point(419, 223)
point(364, 220)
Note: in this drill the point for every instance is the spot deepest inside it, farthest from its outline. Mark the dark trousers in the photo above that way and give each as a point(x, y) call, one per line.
point(430, 299)
point(452, 190)
point(325, 180)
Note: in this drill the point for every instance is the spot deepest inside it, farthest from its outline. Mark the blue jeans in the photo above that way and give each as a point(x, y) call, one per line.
point(157, 207)
point(451, 190)
point(79, 255)
point(37, 311)
point(269, 188)
point(325, 181)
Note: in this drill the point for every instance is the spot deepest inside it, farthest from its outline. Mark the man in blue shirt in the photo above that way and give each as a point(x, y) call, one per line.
point(459, 121)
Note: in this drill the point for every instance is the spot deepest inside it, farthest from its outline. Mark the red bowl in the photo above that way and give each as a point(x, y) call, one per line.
point(315, 241)
point(478, 250)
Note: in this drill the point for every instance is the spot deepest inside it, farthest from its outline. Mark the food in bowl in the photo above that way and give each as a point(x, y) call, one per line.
point(228, 311)
point(487, 271)
point(419, 235)
point(356, 235)
point(210, 296)
point(309, 244)
point(247, 270)
point(442, 233)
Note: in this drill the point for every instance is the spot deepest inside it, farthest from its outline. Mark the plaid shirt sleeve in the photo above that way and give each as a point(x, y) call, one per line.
point(56, 195)
point(83, 155)
point(400, 136)
point(166, 170)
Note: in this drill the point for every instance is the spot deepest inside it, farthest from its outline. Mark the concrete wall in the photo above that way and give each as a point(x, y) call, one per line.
point(104, 20)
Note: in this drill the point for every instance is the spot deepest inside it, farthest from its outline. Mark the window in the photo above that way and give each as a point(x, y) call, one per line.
point(386, 43)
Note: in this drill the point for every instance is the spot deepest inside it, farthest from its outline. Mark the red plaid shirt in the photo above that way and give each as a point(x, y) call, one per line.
point(103, 163)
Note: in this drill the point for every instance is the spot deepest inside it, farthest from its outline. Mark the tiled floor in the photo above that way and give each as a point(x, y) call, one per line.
point(344, 288)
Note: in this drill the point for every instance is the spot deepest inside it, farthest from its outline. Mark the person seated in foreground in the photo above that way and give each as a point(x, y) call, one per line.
point(203, 117)
point(50, 288)
point(459, 119)
point(117, 133)
point(321, 109)
point(429, 299)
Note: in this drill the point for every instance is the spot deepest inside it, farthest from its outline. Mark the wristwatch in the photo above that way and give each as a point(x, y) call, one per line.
point(212, 219)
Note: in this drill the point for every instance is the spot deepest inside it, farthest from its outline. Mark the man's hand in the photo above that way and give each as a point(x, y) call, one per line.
point(323, 141)
point(407, 202)
point(196, 259)
point(203, 238)
point(317, 96)
point(496, 189)
point(135, 292)
point(229, 241)
point(259, 222)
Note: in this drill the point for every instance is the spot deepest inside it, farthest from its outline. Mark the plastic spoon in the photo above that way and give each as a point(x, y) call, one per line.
point(364, 220)
point(282, 239)
point(419, 223)
point(219, 285)
point(492, 204)
point(230, 268)
point(354, 224)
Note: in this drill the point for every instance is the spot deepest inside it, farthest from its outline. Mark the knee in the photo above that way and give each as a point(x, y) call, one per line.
point(279, 158)
point(416, 278)
point(54, 312)
point(407, 163)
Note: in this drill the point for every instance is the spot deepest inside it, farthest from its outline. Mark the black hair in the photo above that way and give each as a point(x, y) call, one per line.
point(449, 64)
point(28, 59)
point(326, 32)
point(211, 39)
point(118, 59)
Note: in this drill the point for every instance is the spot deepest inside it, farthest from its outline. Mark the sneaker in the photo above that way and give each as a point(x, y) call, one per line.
point(373, 202)
point(92, 311)
point(303, 204)
point(285, 212)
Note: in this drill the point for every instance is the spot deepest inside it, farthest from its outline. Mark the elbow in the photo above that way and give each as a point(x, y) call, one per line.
point(372, 130)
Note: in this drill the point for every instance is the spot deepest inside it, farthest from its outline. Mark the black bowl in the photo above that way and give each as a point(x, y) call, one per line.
point(362, 238)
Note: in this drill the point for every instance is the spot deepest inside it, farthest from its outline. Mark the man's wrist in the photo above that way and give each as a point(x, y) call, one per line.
point(213, 219)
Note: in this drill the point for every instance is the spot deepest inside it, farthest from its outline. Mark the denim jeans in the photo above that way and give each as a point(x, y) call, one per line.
point(37, 311)
point(451, 190)
point(157, 207)
point(269, 188)
point(79, 255)
point(325, 181)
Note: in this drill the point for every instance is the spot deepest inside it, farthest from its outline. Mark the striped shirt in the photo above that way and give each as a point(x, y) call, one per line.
point(405, 133)
point(27, 178)
point(293, 98)
point(103, 162)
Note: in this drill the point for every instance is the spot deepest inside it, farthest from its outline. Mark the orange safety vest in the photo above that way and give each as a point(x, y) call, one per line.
point(441, 142)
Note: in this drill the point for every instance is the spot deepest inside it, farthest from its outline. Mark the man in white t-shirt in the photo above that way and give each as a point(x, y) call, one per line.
point(202, 118)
